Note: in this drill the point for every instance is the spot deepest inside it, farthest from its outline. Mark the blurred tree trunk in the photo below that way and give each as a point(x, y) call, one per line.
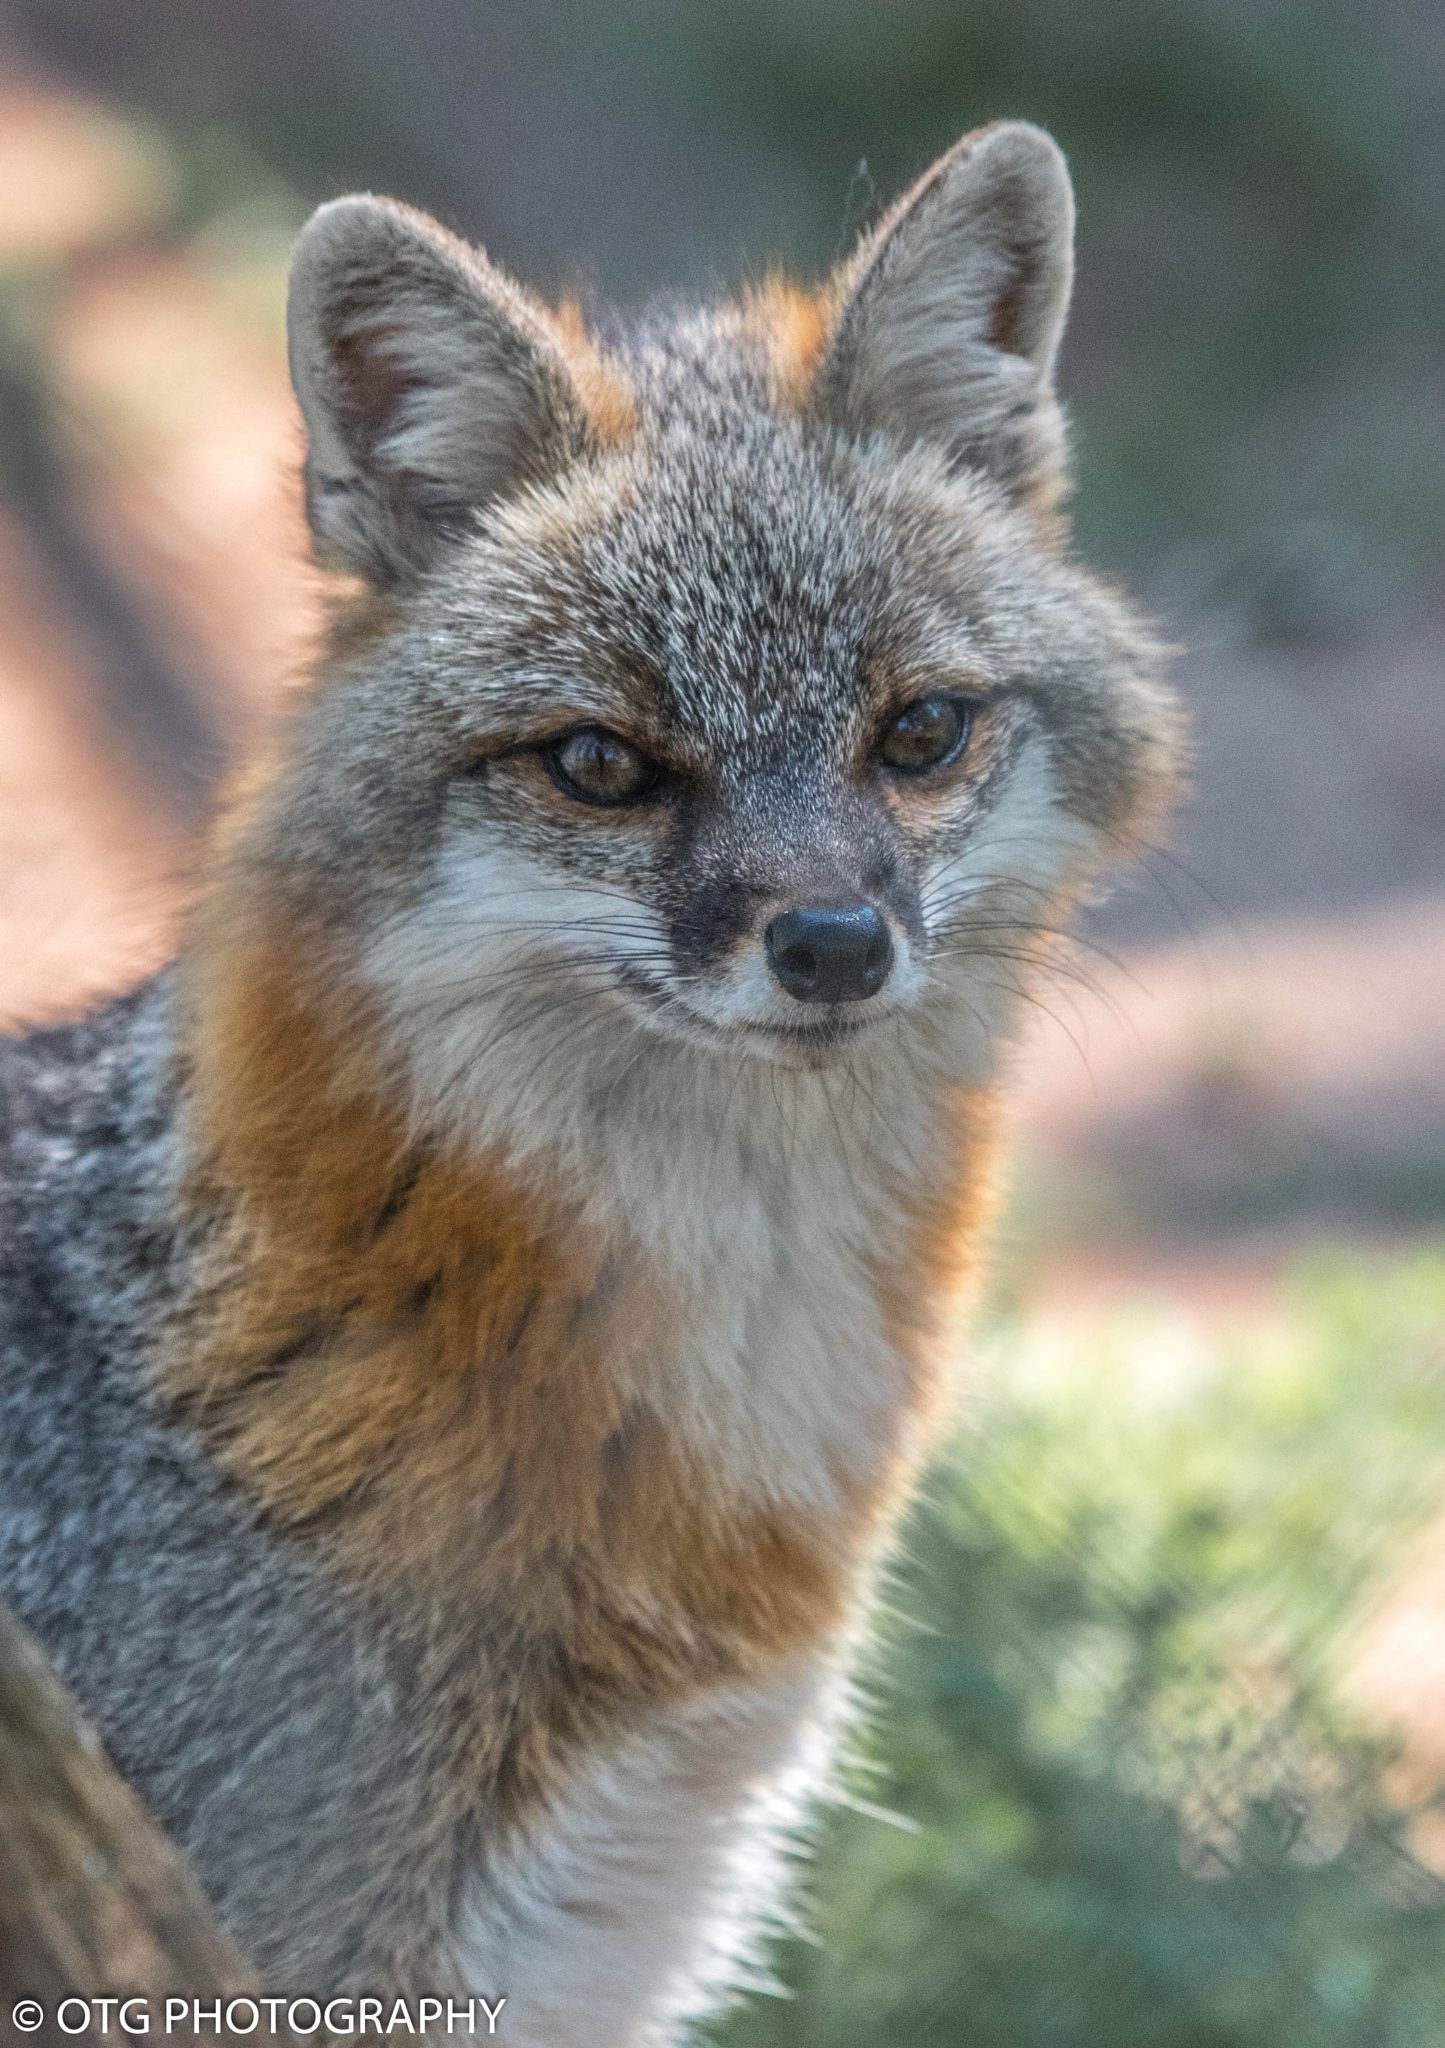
point(94, 1901)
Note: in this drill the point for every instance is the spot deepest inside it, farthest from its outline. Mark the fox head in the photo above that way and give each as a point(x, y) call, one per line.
point(722, 685)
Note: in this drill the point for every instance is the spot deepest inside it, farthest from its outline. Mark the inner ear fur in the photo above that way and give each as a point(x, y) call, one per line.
point(948, 317)
point(429, 383)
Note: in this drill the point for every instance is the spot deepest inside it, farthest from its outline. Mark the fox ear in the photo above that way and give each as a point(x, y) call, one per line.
point(950, 313)
point(429, 384)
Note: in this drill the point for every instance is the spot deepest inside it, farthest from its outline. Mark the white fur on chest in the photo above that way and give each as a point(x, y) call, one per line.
point(777, 1204)
point(639, 1899)
point(784, 1379)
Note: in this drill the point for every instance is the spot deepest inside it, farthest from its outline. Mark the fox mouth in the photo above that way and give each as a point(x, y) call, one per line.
point(795, 1044)
point(827, 1032)
point(809, 1046)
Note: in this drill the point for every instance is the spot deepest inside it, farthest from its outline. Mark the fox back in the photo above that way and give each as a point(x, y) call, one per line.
point(470, 1325)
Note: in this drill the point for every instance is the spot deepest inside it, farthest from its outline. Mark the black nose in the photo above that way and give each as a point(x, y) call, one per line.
point(830, 953)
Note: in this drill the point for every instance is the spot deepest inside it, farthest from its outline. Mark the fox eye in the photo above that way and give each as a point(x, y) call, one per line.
point(931, 733)
point(596, 767)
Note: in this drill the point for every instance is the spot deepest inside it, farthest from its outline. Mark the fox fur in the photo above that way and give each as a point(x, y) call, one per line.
point(468, 1331)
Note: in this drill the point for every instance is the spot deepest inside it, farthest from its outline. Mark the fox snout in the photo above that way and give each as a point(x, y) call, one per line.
point(796, 912)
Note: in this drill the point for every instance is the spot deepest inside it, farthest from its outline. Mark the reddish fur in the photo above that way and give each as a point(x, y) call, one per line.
point(926, 1283)
point(929, 1279)
point(795, 326)
point(934, 1266)
point(606, 396)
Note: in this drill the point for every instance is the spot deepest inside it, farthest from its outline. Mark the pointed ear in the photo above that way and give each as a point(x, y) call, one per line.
point(429, 384)
point(951, 311)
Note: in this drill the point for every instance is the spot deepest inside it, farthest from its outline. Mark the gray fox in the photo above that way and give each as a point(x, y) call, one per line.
point(469, 1324)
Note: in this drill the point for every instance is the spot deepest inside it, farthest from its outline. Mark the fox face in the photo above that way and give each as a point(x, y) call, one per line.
point(731, 684)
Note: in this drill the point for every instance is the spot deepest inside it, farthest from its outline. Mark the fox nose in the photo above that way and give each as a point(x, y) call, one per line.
point(830, 953)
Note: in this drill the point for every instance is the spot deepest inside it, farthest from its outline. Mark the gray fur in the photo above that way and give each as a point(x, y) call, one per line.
point(429, 384)
point(232, 1681)
point(956, 305)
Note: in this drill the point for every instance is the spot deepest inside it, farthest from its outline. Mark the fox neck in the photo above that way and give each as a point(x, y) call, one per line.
point(697, 1321)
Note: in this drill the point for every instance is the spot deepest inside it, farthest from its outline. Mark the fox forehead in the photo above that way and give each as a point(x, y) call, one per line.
point(739, 583)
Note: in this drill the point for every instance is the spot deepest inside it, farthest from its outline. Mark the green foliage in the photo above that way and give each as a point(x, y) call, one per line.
point(1253, 253)
point(1137, 1809)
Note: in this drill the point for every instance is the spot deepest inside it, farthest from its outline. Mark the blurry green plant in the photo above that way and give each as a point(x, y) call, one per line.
point(1136, 1809)
point(1254, 226)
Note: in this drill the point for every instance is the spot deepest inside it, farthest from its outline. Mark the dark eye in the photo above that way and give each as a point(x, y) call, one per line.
point(932, 732)
point(596, 767)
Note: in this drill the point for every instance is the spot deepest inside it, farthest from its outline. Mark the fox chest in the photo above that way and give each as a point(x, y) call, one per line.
point(792, 1387)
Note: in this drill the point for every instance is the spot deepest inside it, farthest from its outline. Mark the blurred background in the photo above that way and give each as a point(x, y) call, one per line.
point(1159, 1742)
